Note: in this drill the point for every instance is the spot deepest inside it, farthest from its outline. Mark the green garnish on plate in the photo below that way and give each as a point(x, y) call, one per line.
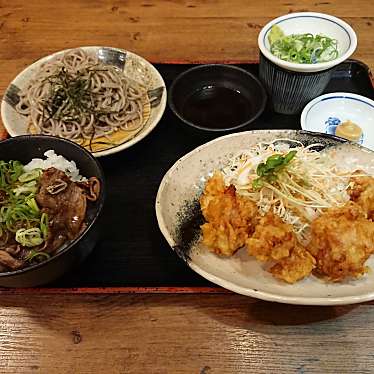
point(268, 170)
point(302, 48)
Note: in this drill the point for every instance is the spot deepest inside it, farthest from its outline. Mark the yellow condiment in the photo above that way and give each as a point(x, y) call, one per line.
point(349, 130)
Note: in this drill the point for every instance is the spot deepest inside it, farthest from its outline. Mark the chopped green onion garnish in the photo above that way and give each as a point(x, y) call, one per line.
point(44, 225)
point(26, 189)
point(302, 48)
point(33, 254)
point(32, 204)
point(30, 175)
point(29, 237)
point(19, 210)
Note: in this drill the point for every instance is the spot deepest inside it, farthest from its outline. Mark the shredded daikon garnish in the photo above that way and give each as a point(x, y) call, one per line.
point(298, 190)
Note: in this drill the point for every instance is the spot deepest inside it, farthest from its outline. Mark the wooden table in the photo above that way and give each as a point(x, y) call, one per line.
point(153, 333)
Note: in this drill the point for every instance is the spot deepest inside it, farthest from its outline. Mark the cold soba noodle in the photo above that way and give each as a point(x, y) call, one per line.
point(79, 98)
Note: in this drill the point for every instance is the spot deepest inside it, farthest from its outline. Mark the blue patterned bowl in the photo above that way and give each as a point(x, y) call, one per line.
point(289, 91)
point(291, 85)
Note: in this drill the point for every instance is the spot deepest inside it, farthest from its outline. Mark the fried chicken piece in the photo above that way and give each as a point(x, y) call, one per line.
point(274, 240)
point(230, 217)
point(361, 192)
point(298, 265)
point(342, 239)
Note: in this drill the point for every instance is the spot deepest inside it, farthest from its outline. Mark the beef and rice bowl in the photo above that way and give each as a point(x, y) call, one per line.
point(43, 207)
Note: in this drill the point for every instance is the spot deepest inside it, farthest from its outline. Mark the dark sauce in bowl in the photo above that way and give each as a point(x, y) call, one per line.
point(217, 107)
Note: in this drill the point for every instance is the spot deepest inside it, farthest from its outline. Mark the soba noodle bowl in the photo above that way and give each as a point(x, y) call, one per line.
point(77, 97)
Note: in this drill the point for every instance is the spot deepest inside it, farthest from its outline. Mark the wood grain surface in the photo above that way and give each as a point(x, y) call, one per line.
point(161, 31)
point(181, 334)
point(208, 334)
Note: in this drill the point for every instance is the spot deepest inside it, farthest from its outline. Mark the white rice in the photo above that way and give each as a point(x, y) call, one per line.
point(58, 162)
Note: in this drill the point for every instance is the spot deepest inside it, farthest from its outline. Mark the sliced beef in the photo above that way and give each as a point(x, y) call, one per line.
point(13, 249)
point(65, 203)
point(9, 261)
point(3, 268)
point(91, 188)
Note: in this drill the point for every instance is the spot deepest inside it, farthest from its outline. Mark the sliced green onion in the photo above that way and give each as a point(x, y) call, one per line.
point(44, 222)
point(9, 172)
point(19, 215)
point(19, 211)
point(302, 48)
point(33, 254)
point(15, 169)
point(30, 175)
point(29, 237)
point(32, 204)
point(25, 189)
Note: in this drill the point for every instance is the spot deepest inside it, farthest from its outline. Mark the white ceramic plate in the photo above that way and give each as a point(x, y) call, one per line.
point(133, 66)
point(177, 207)
point(325, 112)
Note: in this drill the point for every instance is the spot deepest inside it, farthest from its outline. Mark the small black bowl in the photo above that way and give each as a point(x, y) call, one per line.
point(217, 97)
point(24, 149)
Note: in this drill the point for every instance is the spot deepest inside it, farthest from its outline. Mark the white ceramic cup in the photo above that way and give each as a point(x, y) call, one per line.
point(314, 23)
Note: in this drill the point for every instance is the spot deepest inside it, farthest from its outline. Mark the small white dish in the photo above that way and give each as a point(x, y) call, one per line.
point(177, 210)
point(132, 65)
point(325, 112)
point(314, 23)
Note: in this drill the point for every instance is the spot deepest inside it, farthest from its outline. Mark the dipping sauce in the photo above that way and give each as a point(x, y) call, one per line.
point(349, 130)
point(217, 107)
